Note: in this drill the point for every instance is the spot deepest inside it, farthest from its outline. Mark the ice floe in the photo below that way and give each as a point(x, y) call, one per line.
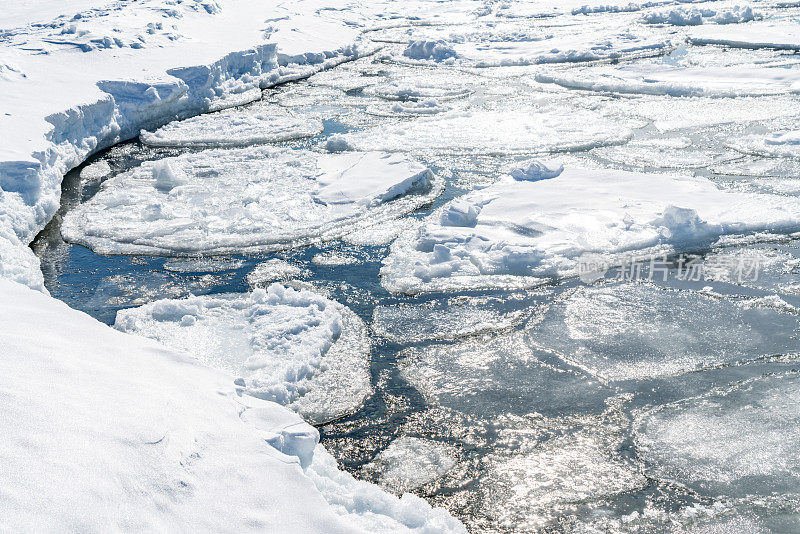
point(764, 34)
point(409, 462)
point(253, 199)
point(638, 331)
point(512, 233)
point(736, 442)
point(273, 270)
point(292, 347)
point(232, 128)
point(775, 145)
point(693, 16)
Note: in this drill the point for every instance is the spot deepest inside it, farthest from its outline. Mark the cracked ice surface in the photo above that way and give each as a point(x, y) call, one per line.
point(253, 199)
point(292, 347)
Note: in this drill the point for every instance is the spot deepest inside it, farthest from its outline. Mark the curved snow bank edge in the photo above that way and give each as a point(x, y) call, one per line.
point(30, 190)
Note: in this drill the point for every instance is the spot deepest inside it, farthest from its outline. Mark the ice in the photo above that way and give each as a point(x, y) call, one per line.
point(525, 129)
point(531, 481)
point(774, 145)
point(95, 171)
point(252, 199)
point(491, 376)
point(534, 170)
point(274, 270)
point(664, 153)
point(203, 265)
point(512, 233)
point(427, 106)
point(423, 323)
point(409, 462)
point(680, 81)
point(414, 91)
point(233, 128)
point(765, 34)
point(432, 50)
point(736, 442)
point(292, 347)
point(149, 439)
point(630, 331)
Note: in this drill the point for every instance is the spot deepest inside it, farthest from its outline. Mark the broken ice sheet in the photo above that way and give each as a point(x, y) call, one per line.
point(638, 331)
point(773, 145)
point(273, 270)
point(289, 346)
point(247, 200)
point(737, 442)
point(490, 376)
point(410, 462)
point(254, 125)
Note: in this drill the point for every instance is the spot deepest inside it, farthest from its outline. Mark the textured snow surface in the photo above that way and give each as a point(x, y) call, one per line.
point(252, 199)
point(737, 442)
point(264, 124)
point(510, 233)
point(292, 347)
point(129, 435)
point(637, 331)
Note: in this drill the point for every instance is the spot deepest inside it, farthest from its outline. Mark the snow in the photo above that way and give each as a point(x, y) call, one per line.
point(265, 124)
point(680, 81)
point(637, 331)
point(698, 442)
point(774, 145)
point(765, 34)
point(433, 50)
point(409, 462)
point(292, 347)
point(694, 17)
point(512, 233)
point(91, 452)
point(250, 199)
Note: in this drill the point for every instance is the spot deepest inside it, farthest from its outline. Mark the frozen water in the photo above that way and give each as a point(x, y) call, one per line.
point(202, 265)
point(693, 16)
point(766, 34)
point(491, 376)
point(775, 145)
point(232, 128)
point(736, 442)
point(510, 233)
point(408, 463)
point(638, 331)
point(292, 347)
point(274, 270)
point(423, 323)
point(253, 199)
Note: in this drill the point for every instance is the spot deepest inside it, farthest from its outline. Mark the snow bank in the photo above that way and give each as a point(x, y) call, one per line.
point(245, 200)
point(124, 434)
point(262, 124)
point(149, 64)
point(514, 232)
point(295, 348)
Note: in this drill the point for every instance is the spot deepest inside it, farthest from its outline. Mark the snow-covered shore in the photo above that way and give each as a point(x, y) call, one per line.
point(108, 431)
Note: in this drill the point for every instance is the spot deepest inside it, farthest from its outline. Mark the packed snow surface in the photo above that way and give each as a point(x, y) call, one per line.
point(513, 232)
point(251, 199)
point(292, 347)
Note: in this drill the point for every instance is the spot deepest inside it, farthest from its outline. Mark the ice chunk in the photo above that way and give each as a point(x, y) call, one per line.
point(737, 442)
point(404, 90)
point(427, 106)
point(774, 145)
point(273, 270)
point(292, 347)
point(432, 50)
point(252, 199)
point(766, 34)
point(491, 376)
point(536, 170)
point(95, 171)
point(637, 331)
point(337, 143)
point(695, 17)
point(422, 323)
point(665, 79)
point(514, 233)
point(233, 128)
point(203, 265)
point(408, 463)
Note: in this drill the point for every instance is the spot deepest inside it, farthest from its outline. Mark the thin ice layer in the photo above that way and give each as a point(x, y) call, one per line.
point(512, 232)
point(738, 442)
point(779, 35)
point(502, 129)
point(292, 347)
point(491, 376)
point(637, 331)
point(774, 145)
point(232, 128)
point(246, 200)
point(409, 462)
